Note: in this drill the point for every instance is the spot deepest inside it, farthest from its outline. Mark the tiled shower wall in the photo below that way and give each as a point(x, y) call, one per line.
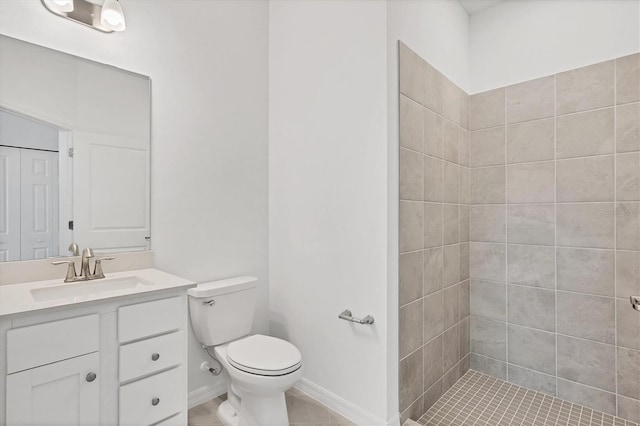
point(434, 234)
point(555, 235)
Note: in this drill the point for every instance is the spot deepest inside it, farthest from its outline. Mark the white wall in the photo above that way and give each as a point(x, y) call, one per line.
point(209, 127)
point(328, 192)
point(517, 41)
point(438, 30)
point(22, 132)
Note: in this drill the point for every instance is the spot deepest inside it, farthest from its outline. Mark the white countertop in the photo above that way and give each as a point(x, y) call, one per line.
point(19, 298)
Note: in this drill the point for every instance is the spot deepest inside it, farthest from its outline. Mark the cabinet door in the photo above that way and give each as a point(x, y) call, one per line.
point(55, 394)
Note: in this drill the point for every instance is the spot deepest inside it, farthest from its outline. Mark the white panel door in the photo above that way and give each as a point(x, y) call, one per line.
point(56, 394)
point(111, 192)
point(9, 203)
point(39, 183)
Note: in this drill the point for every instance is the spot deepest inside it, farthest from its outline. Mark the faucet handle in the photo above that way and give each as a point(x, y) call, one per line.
point(97, 269)
point(71, 269)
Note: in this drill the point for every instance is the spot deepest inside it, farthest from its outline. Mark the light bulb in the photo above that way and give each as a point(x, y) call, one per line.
point(63, 5)
point(112, 16)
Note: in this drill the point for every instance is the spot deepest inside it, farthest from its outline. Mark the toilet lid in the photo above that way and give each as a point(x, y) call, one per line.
point(264, 355)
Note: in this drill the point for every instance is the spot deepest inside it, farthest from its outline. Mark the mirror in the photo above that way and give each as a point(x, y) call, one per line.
point(74, 154)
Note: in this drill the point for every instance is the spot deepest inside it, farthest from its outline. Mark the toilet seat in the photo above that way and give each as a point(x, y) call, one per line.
point(264, 356)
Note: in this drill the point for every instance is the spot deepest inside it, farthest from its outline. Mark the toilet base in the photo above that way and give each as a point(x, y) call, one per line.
point(228, 415)
point(256, 411)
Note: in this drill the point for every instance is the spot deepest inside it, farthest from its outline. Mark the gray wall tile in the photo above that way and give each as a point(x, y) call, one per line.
point(488, 185)
point(432, 179)
point(587, 362)
point(586, 271)
point(489, 300)
point(628, 78)
point(531, 265)
point(627, 273)
point(487, 261)
point(585, 179)
point(532, 307)
point(627, 325)
point(629, 408)
point(585, 225)
point(531, 100)
point(532, 379)
point(411, 124)
point(531, 141)
point(489, 366)
point(411, 320)
point(531, 182)
point(487, 147)
point(488, 338)
point(487, 109)
point(411, 276)
point(433, 316)
point(432, 133)
point(433, 224)
point(589, 317)
point(487, 223)
point(433, 264)
point(587, 396)
point(411, 74)
point(585, 88)
point(628, 368)
point(628, 176)
point(411, 225)
point(628, 127)
point(531, 224)
point(532, 349)
point(411, 175)
point(628, 226)
point(587, 133)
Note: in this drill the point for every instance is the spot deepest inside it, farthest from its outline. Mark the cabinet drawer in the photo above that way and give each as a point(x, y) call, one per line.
point(137, 398)
point(150, 355)
point(150, 318)
point(41, 344)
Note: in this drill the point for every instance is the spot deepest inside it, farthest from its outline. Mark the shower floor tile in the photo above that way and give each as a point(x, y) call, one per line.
point(481, 400)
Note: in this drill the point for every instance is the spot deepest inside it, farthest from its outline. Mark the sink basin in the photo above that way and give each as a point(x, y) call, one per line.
point(87, 289)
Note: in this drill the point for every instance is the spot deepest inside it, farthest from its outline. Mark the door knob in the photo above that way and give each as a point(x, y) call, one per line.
point(91, 377)
point(155, 401)
point(155, 357)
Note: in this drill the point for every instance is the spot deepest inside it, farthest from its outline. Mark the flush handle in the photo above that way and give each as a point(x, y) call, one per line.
point(155, 357)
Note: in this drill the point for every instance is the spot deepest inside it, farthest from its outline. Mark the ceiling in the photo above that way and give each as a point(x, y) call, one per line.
point(475, 6)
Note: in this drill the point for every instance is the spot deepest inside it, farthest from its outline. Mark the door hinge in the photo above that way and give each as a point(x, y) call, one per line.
point(70, 151)
point(71, 225)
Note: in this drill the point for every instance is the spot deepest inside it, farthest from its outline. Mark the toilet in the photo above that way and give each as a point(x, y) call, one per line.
point(259, 368)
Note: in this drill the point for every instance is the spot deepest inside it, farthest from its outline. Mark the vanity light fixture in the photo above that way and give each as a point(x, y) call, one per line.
point(102, 15)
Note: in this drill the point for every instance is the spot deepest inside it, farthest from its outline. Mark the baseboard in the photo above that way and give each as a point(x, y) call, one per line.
point(206, 393)
point(339, 405)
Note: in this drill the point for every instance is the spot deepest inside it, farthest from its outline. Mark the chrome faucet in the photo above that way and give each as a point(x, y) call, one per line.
point(85, 268)
point(73, 248)
point(635, 302)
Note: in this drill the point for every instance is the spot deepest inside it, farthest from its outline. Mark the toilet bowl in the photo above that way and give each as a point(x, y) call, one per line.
point(259, 369)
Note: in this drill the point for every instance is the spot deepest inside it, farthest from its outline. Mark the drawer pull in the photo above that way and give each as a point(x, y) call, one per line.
point(155, 401)
point(91, 377)
point(155, 357)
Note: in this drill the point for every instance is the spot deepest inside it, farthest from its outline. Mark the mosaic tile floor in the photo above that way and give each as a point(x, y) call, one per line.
point(481, 400)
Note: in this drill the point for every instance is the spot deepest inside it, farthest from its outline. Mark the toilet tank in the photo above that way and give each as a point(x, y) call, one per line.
point(222, 311)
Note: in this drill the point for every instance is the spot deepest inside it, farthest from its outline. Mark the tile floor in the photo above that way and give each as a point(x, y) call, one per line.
point(303, 410)
point(478, 399)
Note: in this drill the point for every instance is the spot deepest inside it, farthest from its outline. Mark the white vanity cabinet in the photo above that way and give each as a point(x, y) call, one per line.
point(121, 361)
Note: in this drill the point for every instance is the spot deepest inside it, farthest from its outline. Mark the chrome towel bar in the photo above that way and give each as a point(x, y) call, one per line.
point(348, 316)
